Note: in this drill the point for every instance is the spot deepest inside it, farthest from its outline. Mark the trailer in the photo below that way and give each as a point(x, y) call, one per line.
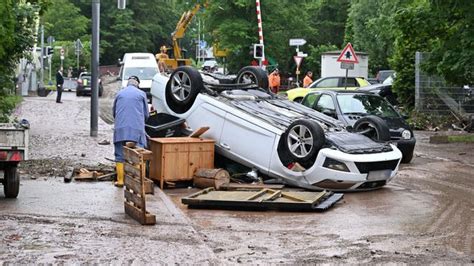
point(14, 140)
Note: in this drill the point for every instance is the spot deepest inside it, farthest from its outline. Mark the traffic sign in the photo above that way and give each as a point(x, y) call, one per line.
point(298, 60)
point(348, 55)
point(297, 42)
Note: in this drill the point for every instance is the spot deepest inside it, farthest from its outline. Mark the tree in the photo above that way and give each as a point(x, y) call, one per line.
point(452, 55)
point(64, 21)
point(18, 35)
point(415, 29)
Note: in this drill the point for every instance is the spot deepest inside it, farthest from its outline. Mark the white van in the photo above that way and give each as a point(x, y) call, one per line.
point(142, 65)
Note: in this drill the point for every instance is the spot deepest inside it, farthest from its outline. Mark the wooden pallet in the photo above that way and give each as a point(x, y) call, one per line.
point(137, 185)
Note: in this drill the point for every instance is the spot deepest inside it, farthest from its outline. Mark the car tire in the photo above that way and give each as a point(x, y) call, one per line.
point(373, 127)
point(254, 75)
point(11, 184)
point(184, 85)
point(407, 156)
point(302, 140)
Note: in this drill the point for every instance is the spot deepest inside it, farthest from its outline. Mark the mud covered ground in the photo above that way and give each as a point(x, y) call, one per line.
point(424, 216)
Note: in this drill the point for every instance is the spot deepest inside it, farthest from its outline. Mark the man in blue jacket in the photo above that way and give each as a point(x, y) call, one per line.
point(130, 113)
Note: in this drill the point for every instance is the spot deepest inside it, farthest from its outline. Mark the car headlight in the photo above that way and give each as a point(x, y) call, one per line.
point(406, 134)
point(335, 165)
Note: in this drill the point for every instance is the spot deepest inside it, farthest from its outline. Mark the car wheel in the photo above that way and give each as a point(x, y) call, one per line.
point(11, 185)
point(302, 140)
point(373, 127)
point(252, 74)
point(182, 89)
point(407, 154)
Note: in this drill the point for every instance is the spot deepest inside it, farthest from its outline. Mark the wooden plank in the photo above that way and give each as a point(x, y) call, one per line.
point(236, 186)
point(134, 198)
point(199, 132)
point(258, 194)
point(131, 155)
point(132, 170)
point(135, 185)
point(142, 217)
point(274, 195)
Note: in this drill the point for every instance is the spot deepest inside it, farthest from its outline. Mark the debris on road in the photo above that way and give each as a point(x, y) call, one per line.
point(215, 178)
point(135, 183)
point(264, 199)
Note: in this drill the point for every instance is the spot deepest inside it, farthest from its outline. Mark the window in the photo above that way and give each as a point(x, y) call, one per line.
point(310, 99)
point(325, 103)
point(351, 82)
point(327, 83)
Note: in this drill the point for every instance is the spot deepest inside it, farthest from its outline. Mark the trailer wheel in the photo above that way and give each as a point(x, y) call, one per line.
point(11, 184)
point(253, 74)
point(373, 127)
point(302, 140)
point(182, 89)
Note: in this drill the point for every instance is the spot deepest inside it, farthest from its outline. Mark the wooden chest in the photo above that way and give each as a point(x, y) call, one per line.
point(176, 159)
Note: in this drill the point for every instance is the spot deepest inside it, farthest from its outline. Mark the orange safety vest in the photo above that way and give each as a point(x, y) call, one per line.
point(307, 81)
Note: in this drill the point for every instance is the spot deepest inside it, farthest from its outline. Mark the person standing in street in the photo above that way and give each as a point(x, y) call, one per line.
point(274, 80)
point(130, 111)
point(59, 85)
point(308, 79)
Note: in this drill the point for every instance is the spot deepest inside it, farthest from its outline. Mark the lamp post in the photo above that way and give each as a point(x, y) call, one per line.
point(95, 67)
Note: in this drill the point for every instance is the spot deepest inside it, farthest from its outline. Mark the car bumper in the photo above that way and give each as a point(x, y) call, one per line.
point(406, 145)
point(364, 171)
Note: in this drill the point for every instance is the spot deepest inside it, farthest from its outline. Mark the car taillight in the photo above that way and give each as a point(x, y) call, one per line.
point(16, 157)
point(3, 155)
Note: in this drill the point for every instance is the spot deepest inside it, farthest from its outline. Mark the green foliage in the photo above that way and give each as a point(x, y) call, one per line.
point(7, 104)
point(410, 39)
point(314, 58)
point(371, 28)
point(64, 21)
point(453, 48)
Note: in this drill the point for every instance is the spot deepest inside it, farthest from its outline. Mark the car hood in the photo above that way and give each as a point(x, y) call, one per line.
point(355, 143)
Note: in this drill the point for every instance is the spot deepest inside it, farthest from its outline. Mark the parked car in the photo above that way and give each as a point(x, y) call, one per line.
point(384, 90)
point(353, 83)
point(266, 132)
point(382, 75)
point(142, 65)
point(84, 85)
point(365, 111)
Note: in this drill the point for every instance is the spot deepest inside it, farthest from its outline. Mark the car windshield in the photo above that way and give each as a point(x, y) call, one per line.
point(365, 104)
point(143, 73)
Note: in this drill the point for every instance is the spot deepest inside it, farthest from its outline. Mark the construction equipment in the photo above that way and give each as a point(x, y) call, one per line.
point(178, 34)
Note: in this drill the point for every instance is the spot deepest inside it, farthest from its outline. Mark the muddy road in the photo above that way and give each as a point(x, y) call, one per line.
point(425, 215)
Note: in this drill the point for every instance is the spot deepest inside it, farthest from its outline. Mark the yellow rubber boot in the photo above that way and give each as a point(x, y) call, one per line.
point(120, 174)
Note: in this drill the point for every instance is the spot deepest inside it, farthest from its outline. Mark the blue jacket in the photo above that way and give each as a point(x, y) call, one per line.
point(130, 113)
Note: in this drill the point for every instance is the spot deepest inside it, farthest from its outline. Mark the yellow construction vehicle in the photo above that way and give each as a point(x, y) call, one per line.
point(183, 23)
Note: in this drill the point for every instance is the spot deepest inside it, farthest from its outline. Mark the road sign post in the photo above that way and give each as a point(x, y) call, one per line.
point(347, 58)
point(298, 60)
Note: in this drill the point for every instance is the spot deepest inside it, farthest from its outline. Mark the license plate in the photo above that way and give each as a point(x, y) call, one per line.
point(379, 175)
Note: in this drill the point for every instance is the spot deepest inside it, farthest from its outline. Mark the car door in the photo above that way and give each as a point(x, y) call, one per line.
point(247, 142)
point(325, 104)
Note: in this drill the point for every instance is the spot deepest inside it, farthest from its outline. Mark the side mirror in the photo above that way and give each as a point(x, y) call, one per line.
point(119, 62)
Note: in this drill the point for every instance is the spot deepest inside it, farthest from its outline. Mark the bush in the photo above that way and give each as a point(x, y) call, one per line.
point(7, 105)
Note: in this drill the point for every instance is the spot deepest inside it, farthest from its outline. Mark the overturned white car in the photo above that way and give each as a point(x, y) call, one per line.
point(263, 131)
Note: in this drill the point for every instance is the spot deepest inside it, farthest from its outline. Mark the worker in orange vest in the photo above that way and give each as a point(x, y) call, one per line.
point(308, 79)
point(274, 80)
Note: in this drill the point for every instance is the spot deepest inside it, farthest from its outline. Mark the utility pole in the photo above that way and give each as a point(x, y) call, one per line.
point(260, 31)
point(95, 67)
point(42, 57)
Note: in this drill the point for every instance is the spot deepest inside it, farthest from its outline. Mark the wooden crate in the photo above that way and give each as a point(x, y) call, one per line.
point(137, 185)
point(176, 159)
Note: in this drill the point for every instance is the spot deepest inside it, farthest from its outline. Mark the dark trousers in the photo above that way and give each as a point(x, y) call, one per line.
point(59, 91)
